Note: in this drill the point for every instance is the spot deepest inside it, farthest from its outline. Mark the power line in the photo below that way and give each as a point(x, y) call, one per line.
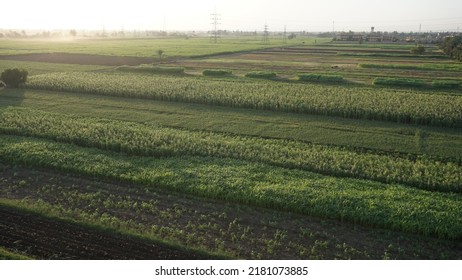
point(284, 40)
point(266, 35)
point(215, 23)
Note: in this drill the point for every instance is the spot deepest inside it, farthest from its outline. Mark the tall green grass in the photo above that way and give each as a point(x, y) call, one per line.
point(148, 140)
point(152, 69)
point(321, 78)
point(217, 72)
point(358, 201)
point(429, 66)
point(446, 84)
point(261, 75)
point(400, 82)
point(351, 102)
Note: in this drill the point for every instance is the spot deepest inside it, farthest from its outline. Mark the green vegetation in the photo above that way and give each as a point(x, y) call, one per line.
point(381, 81)
point(137, 139)
point(358, 201)
point(391, 55)
point(419, 50)
point(261, 75)
point(36, 68)
point(237, 230)
point(8, 255)
point(14, 77)
point(428, 67)
point(350, 102)
point(217, 72)
point(320, 78)
point(452, 46)
point(152, 69)
point(357, 135)
point(145, 47)
point(298, 159)
point(446, 84)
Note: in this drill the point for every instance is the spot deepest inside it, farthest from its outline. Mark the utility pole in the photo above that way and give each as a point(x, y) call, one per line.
point(164, 26)
point(266, 35)
point(420, 28)
point(215, 23)
point(284, 40)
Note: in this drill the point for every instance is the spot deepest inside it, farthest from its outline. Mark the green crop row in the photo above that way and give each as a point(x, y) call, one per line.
point(395, 55)
point(261, 75)
point(217, 72)
point(152, 69)
point(320, 78)
point(427, 66)
point(401, 82)
point(446, 84)
point(150, 140)
point(358, 201)
point(344, 101)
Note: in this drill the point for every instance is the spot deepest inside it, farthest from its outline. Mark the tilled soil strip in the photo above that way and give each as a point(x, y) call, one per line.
point(45, 238)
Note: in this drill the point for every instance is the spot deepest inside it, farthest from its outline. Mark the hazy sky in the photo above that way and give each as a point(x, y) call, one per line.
point(309, 15)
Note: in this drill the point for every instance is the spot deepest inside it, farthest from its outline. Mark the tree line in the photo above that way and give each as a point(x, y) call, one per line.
point(452, 46)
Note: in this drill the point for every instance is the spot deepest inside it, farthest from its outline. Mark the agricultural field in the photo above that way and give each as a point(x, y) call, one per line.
point(306, 150)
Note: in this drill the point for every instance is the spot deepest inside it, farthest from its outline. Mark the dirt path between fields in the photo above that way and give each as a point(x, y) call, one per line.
point(84, 59)
point(45, 238)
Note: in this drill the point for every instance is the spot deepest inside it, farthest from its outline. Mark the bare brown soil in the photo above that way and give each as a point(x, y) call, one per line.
point(84, 59)
point(46, 238)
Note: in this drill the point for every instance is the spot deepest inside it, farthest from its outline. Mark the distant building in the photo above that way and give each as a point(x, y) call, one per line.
point(372, 37)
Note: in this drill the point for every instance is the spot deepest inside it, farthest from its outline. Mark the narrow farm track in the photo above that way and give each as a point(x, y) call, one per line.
point(46, 238)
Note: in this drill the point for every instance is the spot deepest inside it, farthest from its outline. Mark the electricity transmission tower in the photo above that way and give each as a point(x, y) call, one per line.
point(215, 23)
point(266, 35)
point(284, 39)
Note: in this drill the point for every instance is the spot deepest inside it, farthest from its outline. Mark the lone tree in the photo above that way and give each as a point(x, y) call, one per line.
point(14, 77)
point(73, 32)
point(160, 54)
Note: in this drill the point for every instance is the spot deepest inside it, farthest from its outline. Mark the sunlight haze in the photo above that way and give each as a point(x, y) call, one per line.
point(296, 15)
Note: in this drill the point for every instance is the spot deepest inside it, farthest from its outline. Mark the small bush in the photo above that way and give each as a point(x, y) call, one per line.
point(319, 78)
point(419, 49)
point(446, 84)
point(261, 75)
point(217, 72)
point(14, 77)
point(152, 69)
point(398, 82)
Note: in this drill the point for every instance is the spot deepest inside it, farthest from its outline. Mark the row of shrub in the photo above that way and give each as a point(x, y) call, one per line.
point(261, 75)
point(436, 56)
point(320, 78)
point(152, 69)
point(403, 82)
point(316, 78)
point(446, 84)
point(425, 67)
point(217, 72)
